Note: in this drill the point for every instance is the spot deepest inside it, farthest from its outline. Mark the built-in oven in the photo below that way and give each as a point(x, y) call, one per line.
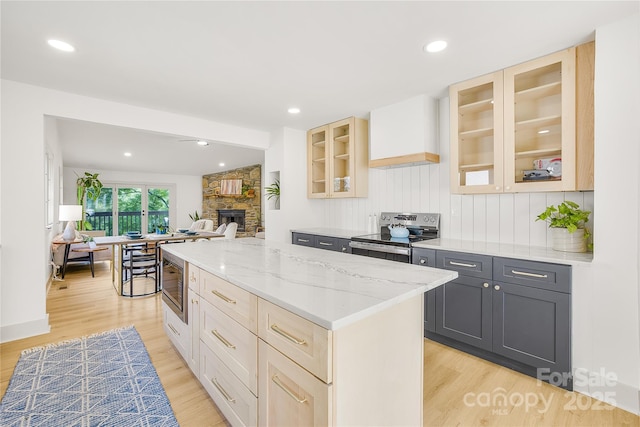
point(421, 226)
point(174, 284)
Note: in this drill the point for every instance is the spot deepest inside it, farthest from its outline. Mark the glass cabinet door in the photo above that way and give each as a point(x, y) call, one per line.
point(317, 151)
point(540, 124)
point(476, 130)
point(341, 168)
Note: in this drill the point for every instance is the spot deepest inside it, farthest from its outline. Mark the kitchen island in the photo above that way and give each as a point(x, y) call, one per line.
point(288, 335)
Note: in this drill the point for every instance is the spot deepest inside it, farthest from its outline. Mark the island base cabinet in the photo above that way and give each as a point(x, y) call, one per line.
point(289, 395)
point(235, 401)
point(177, 331)
point(532, 326)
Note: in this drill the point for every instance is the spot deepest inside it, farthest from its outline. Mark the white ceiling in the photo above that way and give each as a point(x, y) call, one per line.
point(245, 63)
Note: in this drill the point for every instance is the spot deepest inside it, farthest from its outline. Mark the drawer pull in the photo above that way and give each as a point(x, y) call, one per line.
point(223, 391)
point(303, 240)
point(326, 244)
point(223, 297)
point(524, 273)
point(173, 329)
point(291, 338)
point(276, 380)
point(222, 339)
point(423, 261)
point(462, 264)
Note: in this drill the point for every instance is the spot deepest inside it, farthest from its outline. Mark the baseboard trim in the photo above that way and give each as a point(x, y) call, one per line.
point(25, 330)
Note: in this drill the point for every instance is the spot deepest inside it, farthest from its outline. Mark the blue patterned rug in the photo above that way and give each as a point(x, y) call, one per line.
point(105, 379)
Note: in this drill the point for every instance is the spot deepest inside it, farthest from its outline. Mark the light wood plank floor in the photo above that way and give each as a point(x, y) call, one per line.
point(455, 388)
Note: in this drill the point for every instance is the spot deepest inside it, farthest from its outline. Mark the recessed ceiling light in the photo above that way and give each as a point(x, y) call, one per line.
point(220, 164)
point(202, 142)
point(127, 154)
point(293, 110)
point(60, 45)
point(436, 46)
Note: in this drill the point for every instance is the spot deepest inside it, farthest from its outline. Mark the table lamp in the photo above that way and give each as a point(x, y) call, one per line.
point(71, 214)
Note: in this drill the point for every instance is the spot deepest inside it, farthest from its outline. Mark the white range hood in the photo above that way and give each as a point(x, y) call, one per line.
point(404, 133)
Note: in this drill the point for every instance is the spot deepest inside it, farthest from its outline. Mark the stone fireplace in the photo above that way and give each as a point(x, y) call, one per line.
point(244, 209)
point(225, 216)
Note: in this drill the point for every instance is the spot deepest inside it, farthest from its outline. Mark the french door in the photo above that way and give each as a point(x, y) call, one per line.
point(132, 207)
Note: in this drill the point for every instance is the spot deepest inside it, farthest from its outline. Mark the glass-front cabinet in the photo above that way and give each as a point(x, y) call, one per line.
point(539, 124)
point(337, 157)
point(476, 129)
point(515, 130)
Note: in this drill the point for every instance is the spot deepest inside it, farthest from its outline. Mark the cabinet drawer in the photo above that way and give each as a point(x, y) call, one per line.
point(466, 264)
point(236, 346)
point(303, 341)
point(235, 302)
point(236, 402)
point(554, 277)
point(193, 278)
point(424, 257)
point(324, 242)
point(304, 239)
point(177, 331)
point(289, 395)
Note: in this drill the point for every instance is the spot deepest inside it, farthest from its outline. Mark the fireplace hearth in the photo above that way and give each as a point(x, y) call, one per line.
point(232, 215)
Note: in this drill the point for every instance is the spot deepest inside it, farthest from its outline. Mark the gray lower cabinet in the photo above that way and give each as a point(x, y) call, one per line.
point(321, 242)
point(303, 239)
point(513, 312)
point(427, 258)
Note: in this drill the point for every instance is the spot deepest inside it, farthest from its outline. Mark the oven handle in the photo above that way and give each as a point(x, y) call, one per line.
point(380, 248)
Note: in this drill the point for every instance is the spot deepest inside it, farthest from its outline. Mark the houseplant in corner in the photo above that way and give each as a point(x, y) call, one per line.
point(90, 186)
point(273, 190)
point(567, 222)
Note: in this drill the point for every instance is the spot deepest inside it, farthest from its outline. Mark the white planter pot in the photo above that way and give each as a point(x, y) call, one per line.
point(564, 241)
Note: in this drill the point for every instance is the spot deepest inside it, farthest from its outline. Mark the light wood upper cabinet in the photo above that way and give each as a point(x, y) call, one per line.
point(337, 157)
point(505, 123)
point(476, 135)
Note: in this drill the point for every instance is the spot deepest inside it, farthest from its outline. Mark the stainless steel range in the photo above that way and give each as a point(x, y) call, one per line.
point(421, 226)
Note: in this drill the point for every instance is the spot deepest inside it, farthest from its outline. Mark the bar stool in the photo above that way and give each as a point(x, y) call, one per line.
point(140, 264)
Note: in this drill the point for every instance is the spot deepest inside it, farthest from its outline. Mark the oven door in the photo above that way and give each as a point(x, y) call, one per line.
point(382, 251)
point(173, 285)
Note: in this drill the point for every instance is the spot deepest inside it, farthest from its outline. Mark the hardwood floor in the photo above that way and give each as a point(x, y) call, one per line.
point(459, 389)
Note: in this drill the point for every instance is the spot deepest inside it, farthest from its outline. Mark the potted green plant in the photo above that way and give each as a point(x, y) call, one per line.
point(194, 216)
point(90, 186)
point(273, 190)
point(567, 222)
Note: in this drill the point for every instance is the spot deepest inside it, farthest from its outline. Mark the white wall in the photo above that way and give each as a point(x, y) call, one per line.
point(287, 154)
point(22, 223)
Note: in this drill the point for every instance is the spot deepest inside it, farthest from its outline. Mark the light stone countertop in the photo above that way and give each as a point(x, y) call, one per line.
point(331, 289)
point(532, 253)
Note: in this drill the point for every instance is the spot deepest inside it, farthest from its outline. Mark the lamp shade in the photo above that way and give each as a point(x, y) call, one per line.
point(70, 213)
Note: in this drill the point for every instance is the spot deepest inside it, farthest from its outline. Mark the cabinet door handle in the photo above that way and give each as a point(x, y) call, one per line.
point(223, 297)
point(287, 335)
point(223, 391)
point(326, 244)
point(524, 273)
point(496, 287)
point(486, 285)
point(463, 264)
point(173, 329)
point(303, 240)
point(222, 339)
point(276, 380)
point(194, 301)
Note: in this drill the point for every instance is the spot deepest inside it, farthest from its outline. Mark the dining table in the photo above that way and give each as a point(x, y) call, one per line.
point(154, 240)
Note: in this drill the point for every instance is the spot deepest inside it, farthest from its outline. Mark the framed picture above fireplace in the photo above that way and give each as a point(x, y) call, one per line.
point(231, 187)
